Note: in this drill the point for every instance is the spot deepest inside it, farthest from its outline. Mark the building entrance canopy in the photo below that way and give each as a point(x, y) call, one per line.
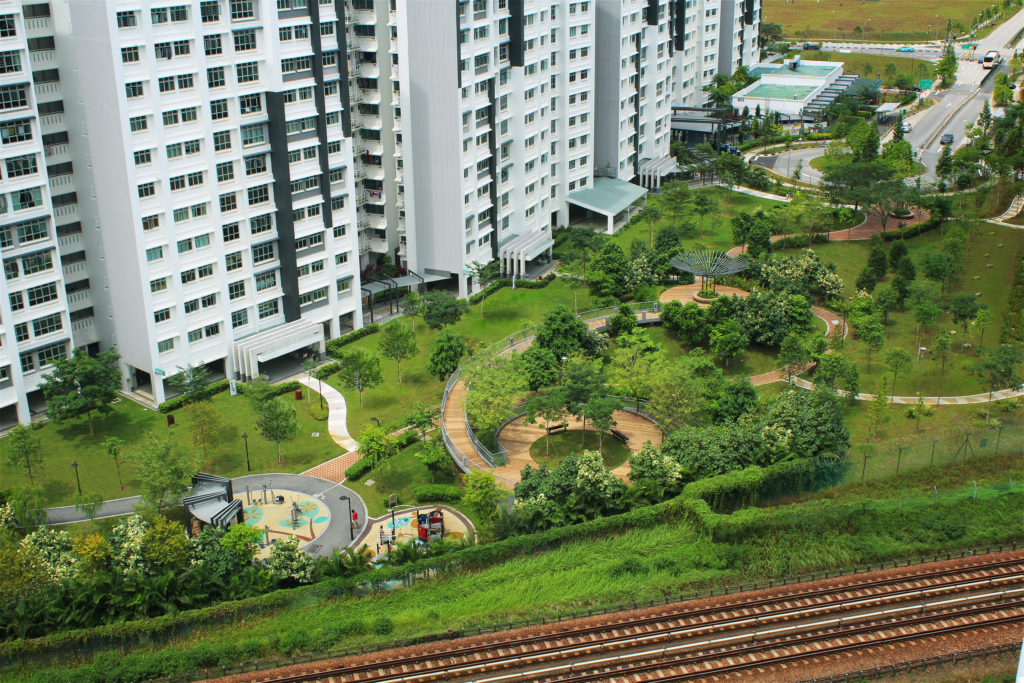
point(250, 351)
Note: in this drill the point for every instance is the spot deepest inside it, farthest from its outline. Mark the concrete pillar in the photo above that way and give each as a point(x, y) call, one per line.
point(24, 413)
point(462, 286)
point(158, 388)
point(611, 224)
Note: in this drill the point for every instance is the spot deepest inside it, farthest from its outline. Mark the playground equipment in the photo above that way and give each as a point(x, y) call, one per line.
point(430, 525)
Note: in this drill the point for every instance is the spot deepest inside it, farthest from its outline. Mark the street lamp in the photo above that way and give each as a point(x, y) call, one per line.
point(245, 438)
point(375, 420)
point(351, 529)
point(77, 480)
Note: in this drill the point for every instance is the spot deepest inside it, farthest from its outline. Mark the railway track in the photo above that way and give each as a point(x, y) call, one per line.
point(677, 643)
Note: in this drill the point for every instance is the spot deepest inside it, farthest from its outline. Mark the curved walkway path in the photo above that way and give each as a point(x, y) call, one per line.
point(337, 427)
point(517, 437)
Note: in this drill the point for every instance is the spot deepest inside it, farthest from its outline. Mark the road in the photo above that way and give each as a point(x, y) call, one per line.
point(929, 52)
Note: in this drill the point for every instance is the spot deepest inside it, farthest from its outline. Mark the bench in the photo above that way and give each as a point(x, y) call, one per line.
point(557, 428)
point(619, 435)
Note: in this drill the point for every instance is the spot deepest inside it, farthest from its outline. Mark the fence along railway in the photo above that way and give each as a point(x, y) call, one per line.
point(782, 626)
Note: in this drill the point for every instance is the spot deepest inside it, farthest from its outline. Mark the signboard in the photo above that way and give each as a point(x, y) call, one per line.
point(158, 371)
point(926, 84)
point(234, 387)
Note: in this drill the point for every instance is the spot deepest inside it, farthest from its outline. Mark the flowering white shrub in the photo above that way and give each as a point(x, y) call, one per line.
point(54, 551)
point(126, 544)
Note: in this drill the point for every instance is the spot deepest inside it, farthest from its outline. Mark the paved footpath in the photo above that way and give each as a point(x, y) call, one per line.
point(337, 427)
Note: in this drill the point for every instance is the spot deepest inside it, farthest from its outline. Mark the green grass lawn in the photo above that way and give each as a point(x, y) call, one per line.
point(613, 451)
point(506, 311)
point(990, 258)
point(883, 21)
point(403, 474)
point(822, 164)
point(70, 442)
point(885, 67)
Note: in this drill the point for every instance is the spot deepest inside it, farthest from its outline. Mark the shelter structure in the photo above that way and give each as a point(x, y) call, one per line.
point(709, 265)
point(610, 197)
point(212, 502)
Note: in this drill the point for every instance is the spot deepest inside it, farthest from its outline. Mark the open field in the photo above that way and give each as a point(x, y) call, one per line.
point(613, 452)
point(70, 442)
point(884, 67)
point(887, 20)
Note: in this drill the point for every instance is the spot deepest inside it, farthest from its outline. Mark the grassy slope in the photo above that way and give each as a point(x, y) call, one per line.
point(903, 20)
point(990, 259)
point(70, 441)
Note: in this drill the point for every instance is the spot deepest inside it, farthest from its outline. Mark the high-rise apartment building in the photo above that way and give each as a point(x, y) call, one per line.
point(230, 181)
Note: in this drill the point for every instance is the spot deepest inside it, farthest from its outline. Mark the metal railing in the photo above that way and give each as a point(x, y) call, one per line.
point(642, 311)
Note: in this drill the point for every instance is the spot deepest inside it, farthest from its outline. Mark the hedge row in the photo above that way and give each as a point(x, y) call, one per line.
point(334, 345)
point(437, 493)
point(358, 468)
point(913, 230)
point(325, 371)
point(219, 386)
point(507, 282)
point(799, 242)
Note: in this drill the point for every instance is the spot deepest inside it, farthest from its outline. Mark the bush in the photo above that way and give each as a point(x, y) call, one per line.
point(507, 282)
point(358, 468)
point(212, 389)
point(325, 371)
point(437, 493)
point(382, 626)
point(913, 230)
point(334, 345)
point(799, 241)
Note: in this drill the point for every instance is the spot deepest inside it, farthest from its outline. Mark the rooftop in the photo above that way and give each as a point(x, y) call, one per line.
point(806, 69)
point(779, 91)
point(608, 196)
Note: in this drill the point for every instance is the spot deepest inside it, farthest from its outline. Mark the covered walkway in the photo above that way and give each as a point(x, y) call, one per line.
point(609, 197)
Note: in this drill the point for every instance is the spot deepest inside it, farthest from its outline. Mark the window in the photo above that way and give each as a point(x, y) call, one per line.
point(230, 232)
point(186, 81)
point(124, 20)
point(35, 263)
point(13, 96)
point(318, 294)
point(215, 77)
point(30, 231)
point(208, 300)
point(193, 146)
point(16, 131)
point(258, 195)
point(225, 171)
point(163, 315)
point(239, 318)
point(17, 302)
point(241, 9)
point(250, 104)
point(218, 109)
point(212, 45)
point(179, 13)
point(233, 261)
point(21, 332)
point(245, 40)
point(170, 118)
point(212, 330)
point(247, 72)
point(150, 222)
point(255, 164)
point(209, 10)
point(205, 271)
point(10, 268)
point(267, 309)
point(195, 335)
point(165, 345)
point(236, 290)
point(184, 245)
point(147, 190)
point(166, 84)
point(293, 64)
point(189, 114)
point(344, 285)
point(154, 254)
point(21, 165)
point(27, 361)
point(10, 62)
point(41, 294)
point(222, 140)
point(176, 183)
point(252, 134)
point(341, 259)
point(263, 252)
point(195, 178)
point(191, 306)
point(181, 215)
point(52, 353)
point(188, 276)
point(158, 285)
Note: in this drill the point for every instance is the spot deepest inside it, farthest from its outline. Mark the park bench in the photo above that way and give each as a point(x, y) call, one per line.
point(620, 436)
point(558, 428)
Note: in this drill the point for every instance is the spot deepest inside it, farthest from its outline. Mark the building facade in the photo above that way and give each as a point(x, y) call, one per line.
point(225, 182)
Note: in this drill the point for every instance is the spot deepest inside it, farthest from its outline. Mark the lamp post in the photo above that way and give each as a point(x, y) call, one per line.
point(320, 387)
point(375, 420)
point(245, 438)
point(351, 530)
point(77, 480)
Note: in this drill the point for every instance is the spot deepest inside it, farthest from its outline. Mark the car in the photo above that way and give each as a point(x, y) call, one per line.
point(907, 127)
point(1012, 85)
point(905, 48)
point(733, 149)
point(946, 139)
point(981, 60)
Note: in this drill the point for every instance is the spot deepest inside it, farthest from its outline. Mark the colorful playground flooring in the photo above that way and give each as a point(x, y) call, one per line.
point(283, 514)
point(407, 528)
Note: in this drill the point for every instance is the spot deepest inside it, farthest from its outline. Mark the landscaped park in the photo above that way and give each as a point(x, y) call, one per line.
point(735, 386)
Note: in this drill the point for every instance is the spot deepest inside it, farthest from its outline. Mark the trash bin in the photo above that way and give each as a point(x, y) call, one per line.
point(298, 394)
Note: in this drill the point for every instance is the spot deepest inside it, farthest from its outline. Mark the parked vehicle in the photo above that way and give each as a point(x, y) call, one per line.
point(947, 139)
point(812, 46)
point(906, 48)
point(907, 127)
point(991, 59)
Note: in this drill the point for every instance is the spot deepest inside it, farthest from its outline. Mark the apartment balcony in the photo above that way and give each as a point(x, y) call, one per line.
point(52, 121)
point(60, 184)
point(403, 250)
point(80, 297)
point(39, 26)
point(42, 57)
point(370, 197)
point(59, 150)
point(46, 91)
point(378, 245)
point(69, 243)
point(364, 244)
point(366, 17)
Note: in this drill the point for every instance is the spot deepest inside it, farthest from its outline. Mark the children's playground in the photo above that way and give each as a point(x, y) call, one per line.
point(422, 524)
point(283, 514)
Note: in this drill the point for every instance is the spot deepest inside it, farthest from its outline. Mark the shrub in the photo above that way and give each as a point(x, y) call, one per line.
point(334, 345)
point(211, 389)
point(507, 282)
point(382, 626)
point(437, 493)
point(359, 468)
point(913, 230)
point(325, 371)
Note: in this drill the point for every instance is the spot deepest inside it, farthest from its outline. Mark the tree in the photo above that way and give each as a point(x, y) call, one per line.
point(398, 343)
point(242, 540)
point(651, 214)
point(727, 340)
point(634, 365)
point(583, 244)
point(704, 203)
point(164, 546)
point(81, 385)
point(863, 141)
point(164, 470)
point(899, 154)
point(548, 407)
point(622, 322)
point(984, 320)
point(377, 446)
point(434, 457)
point(687, 322)
point(112, 445)
point(918, 410)
point(898, 360)
point(205, 426)
point(947, 65)
point(887, 300)
point(611, 261)
point(942, 344)
point(835, 372)
point(879, 405)
point(191, 382)
point(944, 166)
point(793, 353)
point(412, 306)
point(561, 332)
point(964, 308)
point(422, 418)
point(483, 275)
point(289, 565)
point(676, 195)
point(998, 368)
point(309, 365)
point(277, 422)
point(259, 391)
point(872, 333)
point(878, 260)
point(494, 385)
point(600, 411)
point(540, 367)
point(24, 449)
point(482, 494)
point(360, 370)
point(445, 353)
point(583, 379)
point(677, 394)
point(441, 309)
